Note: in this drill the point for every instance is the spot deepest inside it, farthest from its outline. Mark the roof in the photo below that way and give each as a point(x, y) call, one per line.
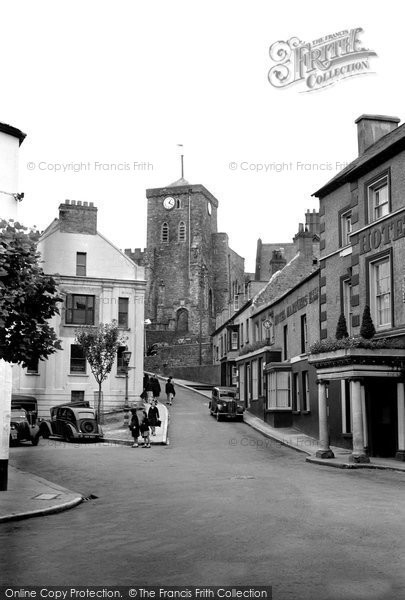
point(180, 181)
point(387, 146)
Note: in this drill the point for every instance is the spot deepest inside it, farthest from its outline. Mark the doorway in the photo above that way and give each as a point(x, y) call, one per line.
point(382, 417)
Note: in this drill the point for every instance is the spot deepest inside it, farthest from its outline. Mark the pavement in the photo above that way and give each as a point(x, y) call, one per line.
point(31, 496)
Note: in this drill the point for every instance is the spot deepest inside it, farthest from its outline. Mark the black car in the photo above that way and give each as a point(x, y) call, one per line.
point(225, 403)
point(72, 421)
point(24, 426)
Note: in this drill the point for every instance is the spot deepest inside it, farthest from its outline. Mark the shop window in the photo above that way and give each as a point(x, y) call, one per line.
point(380, 293)
point(79, 309)
point(378, 199)
point(77, 359)
point(279, 390)
point(123, 312)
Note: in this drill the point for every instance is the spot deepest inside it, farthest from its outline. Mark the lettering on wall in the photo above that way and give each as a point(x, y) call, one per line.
point(300, 303)
point(382, 235)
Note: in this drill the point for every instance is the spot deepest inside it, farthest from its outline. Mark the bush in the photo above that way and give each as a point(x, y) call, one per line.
point(330, 344)
point(367, 329)
point(341, 329)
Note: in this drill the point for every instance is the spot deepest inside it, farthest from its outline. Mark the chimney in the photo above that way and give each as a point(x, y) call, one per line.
point(370, 128)
point(277, 262)
point(75, 217)
point(312, 222)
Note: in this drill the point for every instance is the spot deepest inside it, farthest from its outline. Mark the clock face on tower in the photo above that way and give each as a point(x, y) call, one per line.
point(169, 203)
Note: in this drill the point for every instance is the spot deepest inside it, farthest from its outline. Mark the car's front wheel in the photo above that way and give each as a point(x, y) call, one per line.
point(68, 435)
point(35, 440)
point(44, 432)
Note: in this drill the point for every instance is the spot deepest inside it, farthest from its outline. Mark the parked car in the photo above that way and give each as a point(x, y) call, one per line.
point(225, 403)
point(24, 425)
point(72, 421)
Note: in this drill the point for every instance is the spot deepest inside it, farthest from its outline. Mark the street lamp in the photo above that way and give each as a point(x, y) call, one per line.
point(126, 357)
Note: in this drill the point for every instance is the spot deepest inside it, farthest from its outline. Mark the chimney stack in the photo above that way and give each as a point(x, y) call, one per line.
point(370, 128)
point(75, 217)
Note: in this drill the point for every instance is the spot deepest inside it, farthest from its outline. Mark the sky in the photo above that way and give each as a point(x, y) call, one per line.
point(107, 90)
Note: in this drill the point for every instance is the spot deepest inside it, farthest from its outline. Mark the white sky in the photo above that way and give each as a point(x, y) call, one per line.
point(126, 81)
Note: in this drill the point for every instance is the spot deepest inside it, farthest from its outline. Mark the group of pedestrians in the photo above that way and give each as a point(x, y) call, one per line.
point(145, 414)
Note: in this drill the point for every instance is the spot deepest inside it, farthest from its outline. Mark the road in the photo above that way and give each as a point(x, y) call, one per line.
point(221, 505)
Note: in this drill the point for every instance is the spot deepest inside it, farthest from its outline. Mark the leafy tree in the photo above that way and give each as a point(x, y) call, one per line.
point(28, 298)
point(367, 329)
point(100, 345)
point(341, 329)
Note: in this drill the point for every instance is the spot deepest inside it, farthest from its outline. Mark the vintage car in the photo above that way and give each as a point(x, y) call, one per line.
point(225, 403)
point(72, 422)
point(24, 425)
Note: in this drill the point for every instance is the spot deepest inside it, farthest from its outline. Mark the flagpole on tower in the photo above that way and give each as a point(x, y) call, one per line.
point(180, 146)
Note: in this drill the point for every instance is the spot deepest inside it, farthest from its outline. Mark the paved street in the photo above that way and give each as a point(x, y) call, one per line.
point(221, 505)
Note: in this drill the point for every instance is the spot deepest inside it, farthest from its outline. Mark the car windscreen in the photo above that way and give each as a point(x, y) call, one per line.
point(82, 414)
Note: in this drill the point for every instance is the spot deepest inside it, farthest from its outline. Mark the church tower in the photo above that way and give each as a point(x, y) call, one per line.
point(181, 221)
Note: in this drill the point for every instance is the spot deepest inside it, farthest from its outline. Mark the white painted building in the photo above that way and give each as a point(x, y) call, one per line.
point(98, 283)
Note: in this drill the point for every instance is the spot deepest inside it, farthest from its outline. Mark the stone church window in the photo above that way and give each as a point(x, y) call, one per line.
point(165, 232)
point(178, 203)
point(182, 231)
point(182, 320)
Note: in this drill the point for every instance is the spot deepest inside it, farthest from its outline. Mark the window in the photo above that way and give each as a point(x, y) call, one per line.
point(257, 332)
point(182, 232)
point(305, 391)
point(32, 367)
point(259, 378)
point(234, 375)
point(77, 396)
point(77, 359)
point(241, 334)
point(378, 199)
point(121, 368)
point(296, 393)
point(254, 380)
point(182, 320)
point(234, 340)
point(247, 331)
point(123, 312)
point(81, 259)
point(165, 233)
point(345, 227)
point(304, 334)
point(278, 390)
point(178, 203)
point(346, 304)
point(380, 292)
point(285, 338)
point(236, 302)
point(79, 310)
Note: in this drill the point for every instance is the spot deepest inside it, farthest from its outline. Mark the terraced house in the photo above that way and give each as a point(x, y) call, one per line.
point(362, 262)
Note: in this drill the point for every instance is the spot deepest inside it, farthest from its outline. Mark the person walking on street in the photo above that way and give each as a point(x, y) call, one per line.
point(149, 390)
point(139, 425)
point(153, 417)
point(156, 387)
point(170, 391)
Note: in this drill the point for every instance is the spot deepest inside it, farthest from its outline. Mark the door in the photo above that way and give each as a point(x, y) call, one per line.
point(382, 417)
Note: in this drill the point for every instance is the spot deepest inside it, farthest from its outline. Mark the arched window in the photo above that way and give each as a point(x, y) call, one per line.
point(165, 232)
point(178, 203)
point(210, 304)
point(182, 232)
point(182, 320)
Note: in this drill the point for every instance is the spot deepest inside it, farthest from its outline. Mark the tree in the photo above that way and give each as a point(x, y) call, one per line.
point(28, 299)
point(341, 329)
point(367, 329)
point(100, 345)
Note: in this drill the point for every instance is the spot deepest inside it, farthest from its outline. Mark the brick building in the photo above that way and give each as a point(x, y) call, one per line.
point(362, 211)
point(192, 274)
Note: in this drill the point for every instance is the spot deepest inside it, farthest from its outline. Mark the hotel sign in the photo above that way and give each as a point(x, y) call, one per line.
point(389, 231)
